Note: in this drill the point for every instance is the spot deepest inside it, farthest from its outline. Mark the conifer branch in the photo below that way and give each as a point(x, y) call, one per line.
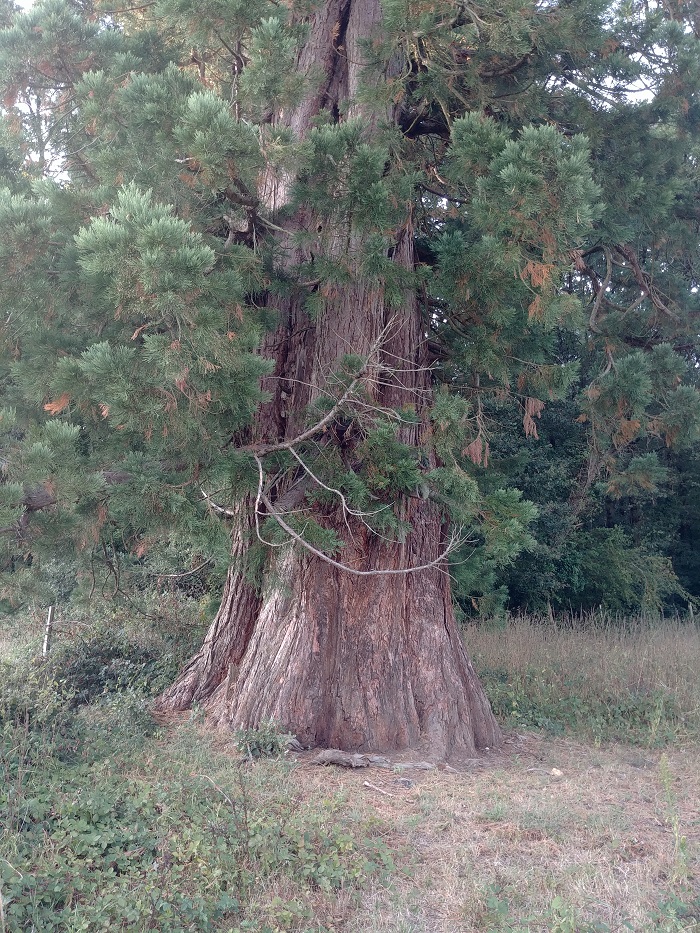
point(261, 498)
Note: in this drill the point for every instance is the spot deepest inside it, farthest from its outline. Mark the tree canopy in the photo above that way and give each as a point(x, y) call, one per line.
point(542, 157)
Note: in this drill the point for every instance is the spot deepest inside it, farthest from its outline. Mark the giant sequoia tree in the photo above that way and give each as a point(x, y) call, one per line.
point(267, 265)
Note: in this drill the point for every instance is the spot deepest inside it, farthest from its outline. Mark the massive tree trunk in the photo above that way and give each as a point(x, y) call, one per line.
point(372, 661)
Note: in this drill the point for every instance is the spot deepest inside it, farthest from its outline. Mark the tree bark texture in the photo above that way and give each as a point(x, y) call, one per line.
point(369, 663)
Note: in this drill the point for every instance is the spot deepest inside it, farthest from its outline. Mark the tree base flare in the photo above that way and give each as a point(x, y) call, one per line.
point(371, 665)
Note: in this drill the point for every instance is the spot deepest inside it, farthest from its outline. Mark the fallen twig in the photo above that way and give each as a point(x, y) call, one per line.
point(378, 789)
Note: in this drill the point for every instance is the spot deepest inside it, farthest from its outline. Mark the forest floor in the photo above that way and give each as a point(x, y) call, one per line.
point(545, 834)
point(587, 820)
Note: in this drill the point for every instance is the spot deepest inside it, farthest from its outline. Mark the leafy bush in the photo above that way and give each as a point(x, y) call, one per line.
point(36, 723)
point(28, 693)
point(105, 662)
point(99, 851)
point(680, 911)
point(104, 830)
point(267, 741)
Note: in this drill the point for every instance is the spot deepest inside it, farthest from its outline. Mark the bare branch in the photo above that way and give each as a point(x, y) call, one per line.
point(627, 259)
point(356, 513)
point(600, 295)
point(128, 9)
point(185, 573)
point(222, 510)
point(346, 508)
point(644, 281)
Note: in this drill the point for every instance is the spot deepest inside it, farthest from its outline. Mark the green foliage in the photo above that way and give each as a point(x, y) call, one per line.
point(502, 533)
point(616, 545)
point(676, 913)
point(266, 741)
point(106, 829)
point(608, 571)
point(502, 916)
point(388, 466)
point(32, 699)
point(172, 854)
point(272, 80)
point(345, 177)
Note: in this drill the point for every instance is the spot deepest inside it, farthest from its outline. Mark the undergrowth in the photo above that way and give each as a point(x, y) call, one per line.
point(91, 848)
point(547, 700)
point(110, 824)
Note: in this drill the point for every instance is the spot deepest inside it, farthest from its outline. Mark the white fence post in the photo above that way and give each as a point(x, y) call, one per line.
point(47, 632)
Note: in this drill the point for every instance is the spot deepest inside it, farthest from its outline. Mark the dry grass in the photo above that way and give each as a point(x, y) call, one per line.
point(549, 834)
point(546, 835)
point(603, 654)
point(16, 633)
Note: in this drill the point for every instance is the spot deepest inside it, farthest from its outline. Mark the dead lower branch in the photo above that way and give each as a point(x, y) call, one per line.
point(624, 257)
point(602, 289)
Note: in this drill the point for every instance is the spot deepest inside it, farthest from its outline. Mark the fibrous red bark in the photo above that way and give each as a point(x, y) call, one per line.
point(372, 662)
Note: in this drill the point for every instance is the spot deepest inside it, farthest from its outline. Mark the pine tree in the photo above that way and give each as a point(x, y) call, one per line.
point(265, 269)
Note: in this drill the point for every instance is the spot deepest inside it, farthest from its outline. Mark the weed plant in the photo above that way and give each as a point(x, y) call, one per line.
point(94, 850)
point(267, 741)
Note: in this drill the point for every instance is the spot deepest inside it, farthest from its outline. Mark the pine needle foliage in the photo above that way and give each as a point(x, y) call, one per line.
point(547, 154)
